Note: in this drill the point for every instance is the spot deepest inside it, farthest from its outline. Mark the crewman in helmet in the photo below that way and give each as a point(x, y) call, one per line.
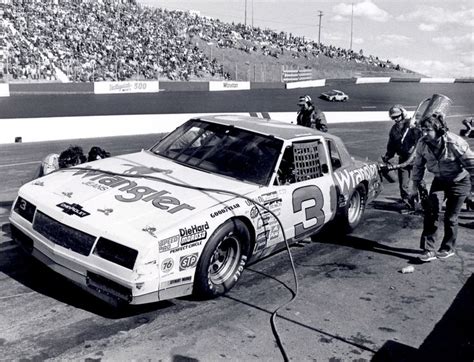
point(310, 116)
point(402, 141)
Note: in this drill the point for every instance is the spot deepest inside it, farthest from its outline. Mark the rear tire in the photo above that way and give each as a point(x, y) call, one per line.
point(351, 215)
point(222, 260)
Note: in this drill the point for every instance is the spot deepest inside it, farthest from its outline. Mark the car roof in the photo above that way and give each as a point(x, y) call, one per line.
point(269, 127)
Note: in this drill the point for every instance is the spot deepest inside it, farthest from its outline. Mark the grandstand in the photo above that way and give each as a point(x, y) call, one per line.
point(117, 40)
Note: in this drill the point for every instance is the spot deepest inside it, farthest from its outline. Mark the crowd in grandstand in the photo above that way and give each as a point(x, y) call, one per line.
point(107, 40)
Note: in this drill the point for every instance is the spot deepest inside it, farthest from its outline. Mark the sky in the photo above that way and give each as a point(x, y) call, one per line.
point(434, 38)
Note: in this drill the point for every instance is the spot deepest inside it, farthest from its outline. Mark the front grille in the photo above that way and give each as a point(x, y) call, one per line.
point(116, 253)
point(25, 209)
point(108, 287)
point(63, 235)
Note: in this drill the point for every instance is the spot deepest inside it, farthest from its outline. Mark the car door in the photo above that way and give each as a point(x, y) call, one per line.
point(307, 188)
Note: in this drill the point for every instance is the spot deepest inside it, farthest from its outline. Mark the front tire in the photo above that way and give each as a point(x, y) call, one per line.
point(222, 260)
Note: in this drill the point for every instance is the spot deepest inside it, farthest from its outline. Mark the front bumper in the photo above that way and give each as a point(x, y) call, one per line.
point(107, 281)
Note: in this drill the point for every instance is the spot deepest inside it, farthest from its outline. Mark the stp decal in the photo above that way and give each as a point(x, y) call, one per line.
point(188, 261)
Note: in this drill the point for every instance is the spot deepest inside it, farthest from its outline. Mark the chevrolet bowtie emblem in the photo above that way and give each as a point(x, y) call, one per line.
point(150, 230)
point(106, 211)
point(73, 209)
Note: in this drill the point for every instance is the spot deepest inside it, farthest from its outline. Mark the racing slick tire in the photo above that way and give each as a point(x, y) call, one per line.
point(352, 213)
point(222, 260)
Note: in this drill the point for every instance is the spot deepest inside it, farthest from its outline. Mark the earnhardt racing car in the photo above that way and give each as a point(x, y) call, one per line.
point(187, 215)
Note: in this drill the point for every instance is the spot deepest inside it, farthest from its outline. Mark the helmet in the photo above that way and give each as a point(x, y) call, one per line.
point(397, 111)
point(304, 100)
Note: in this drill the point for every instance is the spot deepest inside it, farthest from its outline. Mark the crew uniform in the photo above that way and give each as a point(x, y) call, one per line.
point(450, 159)
point(402, 141)
point(310, 116)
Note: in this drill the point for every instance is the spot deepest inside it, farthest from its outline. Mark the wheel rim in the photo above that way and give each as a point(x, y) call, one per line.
point(355, 207)
point(224, 260)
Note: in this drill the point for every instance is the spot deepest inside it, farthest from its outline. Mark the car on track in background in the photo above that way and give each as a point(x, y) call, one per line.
point(188, 214)
point(335, 96)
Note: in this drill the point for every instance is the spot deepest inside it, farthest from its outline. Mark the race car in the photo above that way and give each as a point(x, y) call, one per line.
point(187, 215)
point(335, 95)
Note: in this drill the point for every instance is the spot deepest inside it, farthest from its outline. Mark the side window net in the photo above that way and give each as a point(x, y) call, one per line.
point(307, 161)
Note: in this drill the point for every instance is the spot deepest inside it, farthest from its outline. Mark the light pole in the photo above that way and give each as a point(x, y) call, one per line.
point(245, 13)
point(319, 32)
point(352, 24)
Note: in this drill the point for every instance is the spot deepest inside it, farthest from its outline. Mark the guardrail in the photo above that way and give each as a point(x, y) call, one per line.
point(11, 89)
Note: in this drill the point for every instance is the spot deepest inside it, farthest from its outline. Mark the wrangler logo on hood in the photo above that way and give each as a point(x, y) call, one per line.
point(132, 192)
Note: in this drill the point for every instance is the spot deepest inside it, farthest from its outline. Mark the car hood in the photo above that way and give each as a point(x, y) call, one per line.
point(134, 193)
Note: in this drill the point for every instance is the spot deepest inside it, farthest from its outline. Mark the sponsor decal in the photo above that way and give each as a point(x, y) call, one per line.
point(106, 212)
point(38, 183)
point(150, 230)
point(188, 261)
point(274, 231)
point(187, 246)
point(261, 240)
point(67, 194)
point(175, 282)
point(168, 244)
point(193, 233)
point(224, 210)
point(143, 170)
point(167, 265)
point(130, 191)
point(348, 179)
point(268, 197)
point(73, 209)
point(254, 212)
point(263, 221)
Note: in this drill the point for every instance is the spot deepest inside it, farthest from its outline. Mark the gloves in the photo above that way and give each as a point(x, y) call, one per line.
point(385, 159)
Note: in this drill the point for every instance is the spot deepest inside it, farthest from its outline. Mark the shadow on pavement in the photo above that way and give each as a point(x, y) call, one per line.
point(452, 339)
point(370, 245)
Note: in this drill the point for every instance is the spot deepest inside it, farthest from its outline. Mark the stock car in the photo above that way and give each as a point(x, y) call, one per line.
point(187, 215)
point(335, 95)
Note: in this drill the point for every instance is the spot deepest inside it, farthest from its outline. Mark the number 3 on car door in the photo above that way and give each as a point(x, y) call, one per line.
point(310, 200)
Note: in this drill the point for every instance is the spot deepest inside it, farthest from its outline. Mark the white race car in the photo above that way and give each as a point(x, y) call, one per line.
point(187, 215)
point(335, 95)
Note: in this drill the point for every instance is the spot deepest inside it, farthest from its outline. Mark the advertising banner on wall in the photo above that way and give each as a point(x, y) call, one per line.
point(4, 90)
point(126, 87)
point(225, 86)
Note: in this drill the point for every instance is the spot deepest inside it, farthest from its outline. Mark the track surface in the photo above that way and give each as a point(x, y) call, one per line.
point(353, 301)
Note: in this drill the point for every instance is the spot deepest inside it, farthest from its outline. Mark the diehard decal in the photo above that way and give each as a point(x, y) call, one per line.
point(193, 233)
point(73, 209)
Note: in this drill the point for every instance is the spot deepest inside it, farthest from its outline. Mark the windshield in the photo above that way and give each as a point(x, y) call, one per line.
point(223, 150)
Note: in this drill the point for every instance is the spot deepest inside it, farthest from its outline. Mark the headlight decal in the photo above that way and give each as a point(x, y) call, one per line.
point(25, 209)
